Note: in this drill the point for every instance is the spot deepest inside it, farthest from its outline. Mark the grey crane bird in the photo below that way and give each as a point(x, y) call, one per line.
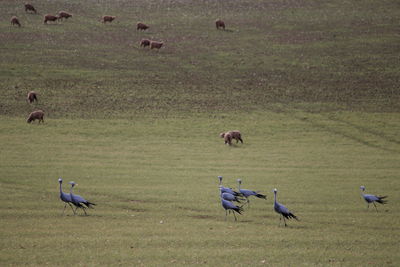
point(79, 201)
point(372, 198)
point(229, 206)
point(248, 193)
point(66, 198)
point(282, 210)
point(226, 189)
point(230, 197)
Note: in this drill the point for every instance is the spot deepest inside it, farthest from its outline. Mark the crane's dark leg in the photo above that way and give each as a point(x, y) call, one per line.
point(64, 208)
point(72, 208)
point(226, 214)
point(375, 206)
point(234, 216)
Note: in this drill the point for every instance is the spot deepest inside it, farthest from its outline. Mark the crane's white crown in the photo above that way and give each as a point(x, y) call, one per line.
point(59, 180)
point(362, 187)
point(275, 190)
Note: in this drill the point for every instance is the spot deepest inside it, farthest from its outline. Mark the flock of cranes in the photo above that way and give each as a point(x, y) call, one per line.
point(228, 196)
point(74, 200)
point(231, 200)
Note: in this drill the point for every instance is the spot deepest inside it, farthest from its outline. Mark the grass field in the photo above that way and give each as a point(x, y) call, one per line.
point(312, 85)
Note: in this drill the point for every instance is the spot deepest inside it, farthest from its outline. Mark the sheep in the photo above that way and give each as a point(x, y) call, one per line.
point(32, 96)
point(145, 42)
point(63, 15)
point(108, 18)
point(219, 24)
point(141, 26)
point(228, 136)
point(15, 21)
point(49, 17)
point(29, 7)
point(36, 115)
point(154, 44)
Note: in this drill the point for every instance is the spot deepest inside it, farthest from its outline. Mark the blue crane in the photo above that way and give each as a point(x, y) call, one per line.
point(372, 198)
point(226, 189)
point(79, 201)
point(229, 206)
point(66, 198)
point(247, 193)
point(230, 197)
point(282, 210)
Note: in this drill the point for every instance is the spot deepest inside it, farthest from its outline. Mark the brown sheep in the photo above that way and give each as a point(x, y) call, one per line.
point(219, 24)
point(29, 7)
point(154, 44)
point(141, 26)
point(63, 15)
point(232, 135)
point(36, 115)
point(145, 42)
point(32, 96)
point(15, 21)
point(49, 17)
point(108, 18)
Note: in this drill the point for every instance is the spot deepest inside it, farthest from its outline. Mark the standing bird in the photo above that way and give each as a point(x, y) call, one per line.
point(66, 198)
point(229, 206)
point(226, 189)
point(79, 201)
point(372, 198)
point(247, 193)
point(282, 210)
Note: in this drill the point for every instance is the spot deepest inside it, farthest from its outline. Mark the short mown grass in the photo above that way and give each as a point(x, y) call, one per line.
point(312, 86)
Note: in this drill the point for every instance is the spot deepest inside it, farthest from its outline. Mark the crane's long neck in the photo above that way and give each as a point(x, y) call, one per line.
point(72, 187)
point(274, 197)
point(239, 185)
point(61, 189)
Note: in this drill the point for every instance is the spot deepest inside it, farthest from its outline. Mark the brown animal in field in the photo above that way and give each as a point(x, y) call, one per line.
point(29, 7)
point(141, 26)
point(32, 96)
point(219, 24)
point(36, 115)
point(232, 135)
point(63, 15)
point(157, 45)
point(15, 21)
point(108, 18)
point(49, 17)
point(145, 42)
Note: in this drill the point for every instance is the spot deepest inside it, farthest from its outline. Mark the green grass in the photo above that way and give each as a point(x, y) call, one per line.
point(313, 87)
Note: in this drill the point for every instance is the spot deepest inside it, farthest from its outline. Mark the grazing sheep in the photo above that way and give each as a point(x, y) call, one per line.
point(32, 96)
point(63, 15)
point(108, 18)
point(15, 21)
point(141, 26)
point(219, 24)
point(29, 7)
point(154, 44)
point(228, 136)
point(36, 115)
point(145, 42)
point(49, 17)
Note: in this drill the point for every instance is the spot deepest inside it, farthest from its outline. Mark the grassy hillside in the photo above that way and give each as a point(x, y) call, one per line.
point(312, 85)
point(343, 54)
